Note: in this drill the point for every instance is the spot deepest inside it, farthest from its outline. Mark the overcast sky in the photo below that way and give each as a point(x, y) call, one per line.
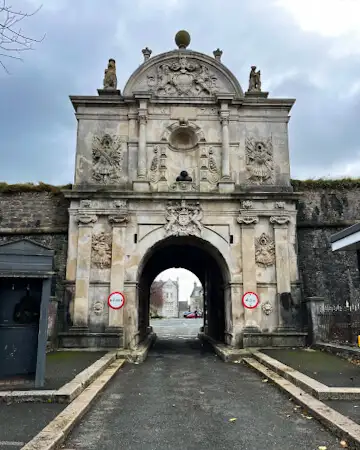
point(306, 49)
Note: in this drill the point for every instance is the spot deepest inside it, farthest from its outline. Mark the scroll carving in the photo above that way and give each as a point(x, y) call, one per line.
point(183, 219)
point(107, 159)
point(247, 204)
point(120, 219)
point(158, 166)
point(247, 220)
point(101, 250)
point(280, 220)
point(259, 160)
point(265, 251)
point(182, 77)
point(86, 219)
point(214, 173)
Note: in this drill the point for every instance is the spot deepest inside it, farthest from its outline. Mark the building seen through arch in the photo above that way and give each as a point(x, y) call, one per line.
point(182, 168)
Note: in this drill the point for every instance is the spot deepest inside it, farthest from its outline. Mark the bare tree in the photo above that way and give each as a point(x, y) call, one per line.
point(156, 296)
point(13, 41)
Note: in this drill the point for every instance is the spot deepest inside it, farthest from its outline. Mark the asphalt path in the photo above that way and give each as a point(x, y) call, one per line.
point(184, 397)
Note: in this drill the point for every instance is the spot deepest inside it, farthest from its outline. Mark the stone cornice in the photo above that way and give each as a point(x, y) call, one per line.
point(98, 192)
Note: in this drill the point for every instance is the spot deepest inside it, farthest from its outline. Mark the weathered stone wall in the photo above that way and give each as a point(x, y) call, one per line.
point(40, 216)
point(323, 211)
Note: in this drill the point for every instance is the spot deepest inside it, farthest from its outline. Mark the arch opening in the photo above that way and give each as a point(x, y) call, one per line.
point(206, 263)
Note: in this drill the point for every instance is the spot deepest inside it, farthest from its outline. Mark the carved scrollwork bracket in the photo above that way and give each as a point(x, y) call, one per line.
point(280, 220)
point(86, 220)
point(247, 220)
point(119, 220)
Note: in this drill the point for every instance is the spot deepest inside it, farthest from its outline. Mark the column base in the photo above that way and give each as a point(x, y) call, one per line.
point(275, 339)
point(141, 186)
point(226, 186)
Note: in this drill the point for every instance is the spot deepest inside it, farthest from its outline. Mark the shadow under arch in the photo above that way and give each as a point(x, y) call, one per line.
point(203, 260)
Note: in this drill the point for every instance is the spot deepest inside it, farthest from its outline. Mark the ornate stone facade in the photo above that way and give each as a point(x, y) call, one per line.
point(161, 174)
point(183, 219)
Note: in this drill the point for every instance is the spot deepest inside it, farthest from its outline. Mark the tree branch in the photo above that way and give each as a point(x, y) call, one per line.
point(12, 39)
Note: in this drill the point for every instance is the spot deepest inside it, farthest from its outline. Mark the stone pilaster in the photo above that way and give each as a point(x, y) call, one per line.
point(225, 184)
point(248, 222)
point(131, 329)
point(81, 301)
point(118, 222)
point(142, 184)
point(282, 260)
point(225, 159)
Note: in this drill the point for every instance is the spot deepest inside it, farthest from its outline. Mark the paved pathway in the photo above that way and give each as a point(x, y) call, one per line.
point(183, 397)
point(180, 328)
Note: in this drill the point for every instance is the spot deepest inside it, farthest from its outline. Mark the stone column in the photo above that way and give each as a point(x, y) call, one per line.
point(282, 264)
point(81, 306)
point(116, 317)
point(248, 222)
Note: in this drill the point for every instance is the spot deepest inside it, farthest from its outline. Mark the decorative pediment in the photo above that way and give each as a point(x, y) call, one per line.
point(183, 74)
point(25, 247)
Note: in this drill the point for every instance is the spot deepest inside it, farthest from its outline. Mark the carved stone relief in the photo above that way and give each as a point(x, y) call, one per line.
point(107, 159)
point(86, 220)
point(183, 219)
point(280, 220)
point(280, 205)
point(208, 111)
point(247, 204)
point(85, 203)
point(101, 250)
point(158, 167)
point(259, 160)
point(182, 77)
point(120, 204)
point(267, 308)
point(98, 308)
point(247, 220)
point(119, 219)
point(213, 173)
point(264, 251)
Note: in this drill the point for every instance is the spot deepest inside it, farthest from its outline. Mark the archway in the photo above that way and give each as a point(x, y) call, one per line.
point(203, 260)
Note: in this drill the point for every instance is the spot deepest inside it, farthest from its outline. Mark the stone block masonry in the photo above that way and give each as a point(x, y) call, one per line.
point(39, 213)
point(325, 208)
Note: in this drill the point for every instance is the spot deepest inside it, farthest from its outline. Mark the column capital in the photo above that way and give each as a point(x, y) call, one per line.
point(86, 220)
point(280, 220)
point(248, 220)
point(119, 220)
point(224, 117)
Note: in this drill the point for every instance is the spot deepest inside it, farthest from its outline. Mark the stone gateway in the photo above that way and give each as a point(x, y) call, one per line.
point(182, 169)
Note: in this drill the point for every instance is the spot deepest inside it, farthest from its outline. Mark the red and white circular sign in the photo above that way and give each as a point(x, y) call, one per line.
point(250, 300)
point(116, 300)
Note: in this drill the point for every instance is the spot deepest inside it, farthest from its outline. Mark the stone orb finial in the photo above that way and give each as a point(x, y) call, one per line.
point(182, 39)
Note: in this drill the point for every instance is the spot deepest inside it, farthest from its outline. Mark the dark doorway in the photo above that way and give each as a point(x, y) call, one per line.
point(20, 300)
point(203, 260)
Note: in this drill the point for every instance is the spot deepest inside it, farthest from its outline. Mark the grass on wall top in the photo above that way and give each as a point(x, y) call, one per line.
point(298, 185)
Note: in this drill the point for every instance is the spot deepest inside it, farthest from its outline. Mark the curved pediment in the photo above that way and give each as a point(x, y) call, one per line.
point(184, 74)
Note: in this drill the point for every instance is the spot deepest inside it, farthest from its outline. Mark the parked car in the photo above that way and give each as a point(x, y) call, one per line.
point(186, 313)
point(192, 316)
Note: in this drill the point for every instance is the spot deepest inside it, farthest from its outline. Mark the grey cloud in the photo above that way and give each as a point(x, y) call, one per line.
point(38, 128)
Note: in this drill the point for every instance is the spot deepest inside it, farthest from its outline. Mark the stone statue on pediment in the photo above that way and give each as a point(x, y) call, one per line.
point(110, 79)
point(254, 80)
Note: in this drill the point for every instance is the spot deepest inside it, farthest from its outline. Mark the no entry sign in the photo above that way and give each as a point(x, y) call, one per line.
point(250, 300)
point(116, 300)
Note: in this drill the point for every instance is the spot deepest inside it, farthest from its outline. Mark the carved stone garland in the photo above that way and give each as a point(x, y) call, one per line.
point(101, 250)
point(181, 77)
point(259, 160)
point(107, 159)
point(265, 251)
point(158, 167)
point(183, 219)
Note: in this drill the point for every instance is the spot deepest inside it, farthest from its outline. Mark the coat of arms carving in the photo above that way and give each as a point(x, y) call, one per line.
point(101, 250)
point(264, 251)
point(107, 159)
point(259, 160)
point(180, 77)
point(183, 219)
